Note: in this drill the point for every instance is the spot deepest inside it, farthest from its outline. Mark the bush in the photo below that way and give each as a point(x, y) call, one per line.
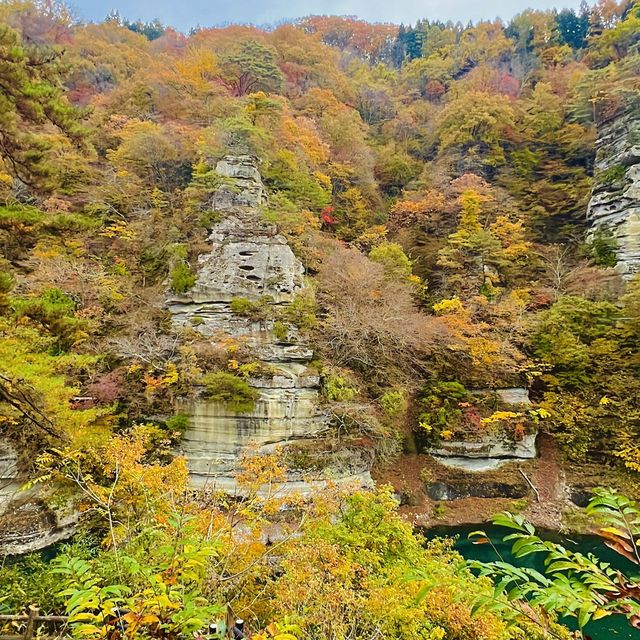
point(301, 311)
point(602, 248)
point(280, 330)
point(393, 402)
point(182, 278)
point(7, 281)
point(393, 259)
point(337, 389)
point(256, 310)
point(54, 310)
point(230, 390)
point(179, 422)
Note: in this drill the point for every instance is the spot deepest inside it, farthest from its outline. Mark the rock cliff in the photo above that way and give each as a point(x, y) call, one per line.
point(492, 449)
point(250, 260)
point(615, 201)
point(27, 521)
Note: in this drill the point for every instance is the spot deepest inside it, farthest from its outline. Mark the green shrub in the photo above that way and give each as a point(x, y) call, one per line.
point(230, 390)
point(178, 250)
point(393, 259)
point(439, 406)
point(256, 310)
point(393, 402)
point(210, 218)
point(602, 248)
point(54, 310)
point(301, 311)
point(337, 389)
point(439, 511)
point(7, 281)
point(257, 369)
point(182, 278)
point(280, 330)
point(20, 215)
point(179, 422)
point(611, 175)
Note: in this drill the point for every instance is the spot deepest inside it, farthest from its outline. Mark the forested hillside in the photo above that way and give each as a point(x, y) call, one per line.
point(458, 209)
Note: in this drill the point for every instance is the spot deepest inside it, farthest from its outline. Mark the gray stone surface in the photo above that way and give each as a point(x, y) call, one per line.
point(488, 489)
point(27, 522)
point(514, 395)
point(489, 447)
point(244, 188)
point(615, 201)
point(472, 465)
point(250, 259)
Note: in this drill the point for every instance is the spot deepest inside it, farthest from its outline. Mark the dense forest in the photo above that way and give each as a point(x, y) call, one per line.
point(434, 183)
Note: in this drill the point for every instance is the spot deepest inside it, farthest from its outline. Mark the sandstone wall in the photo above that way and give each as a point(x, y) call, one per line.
point(615, 201)
point(250, 259)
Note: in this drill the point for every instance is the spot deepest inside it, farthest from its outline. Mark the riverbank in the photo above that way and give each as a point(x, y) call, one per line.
point(547, 490)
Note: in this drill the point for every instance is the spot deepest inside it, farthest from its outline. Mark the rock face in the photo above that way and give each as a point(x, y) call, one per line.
point(249, 259)
point(615, 201)
point(27, 523)
point(493, 449)
point(486, 454)
point(474, 489)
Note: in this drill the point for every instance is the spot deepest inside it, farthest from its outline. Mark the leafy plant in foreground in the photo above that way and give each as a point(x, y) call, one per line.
point(573, 584)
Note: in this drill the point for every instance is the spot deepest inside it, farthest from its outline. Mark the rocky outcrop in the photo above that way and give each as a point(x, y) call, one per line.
point(249, 259)
point(493, 449)
point(485, 454)
point(474, 489)
point(27, 522)
point(615, 201)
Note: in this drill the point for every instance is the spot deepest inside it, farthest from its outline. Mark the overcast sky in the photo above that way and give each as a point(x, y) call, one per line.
point(184, 14)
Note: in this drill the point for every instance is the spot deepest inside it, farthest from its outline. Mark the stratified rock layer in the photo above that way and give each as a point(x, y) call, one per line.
point(27, 522)
point(492, 450)
point(250, 259)
point(615, 201)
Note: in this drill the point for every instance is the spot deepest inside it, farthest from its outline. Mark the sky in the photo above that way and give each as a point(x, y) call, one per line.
point(184, 14)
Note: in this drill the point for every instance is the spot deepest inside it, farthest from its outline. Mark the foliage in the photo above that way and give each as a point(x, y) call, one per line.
point(371, 323)
point(166, 572)
point(337, 389)
point(182, 278)
point(432, 180)
point(230, 390)
point(256, 310)
point(32, 98)
point(575, 585)
point(301, 311)
point(352, 580)
point(250, 66)
point(602, 248)
point(393, 259)
point(393, 402)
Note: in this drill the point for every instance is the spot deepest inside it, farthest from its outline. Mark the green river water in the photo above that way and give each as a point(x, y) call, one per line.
point(611, 628)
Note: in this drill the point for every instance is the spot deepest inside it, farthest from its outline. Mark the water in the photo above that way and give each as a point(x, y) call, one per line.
point(611, 628)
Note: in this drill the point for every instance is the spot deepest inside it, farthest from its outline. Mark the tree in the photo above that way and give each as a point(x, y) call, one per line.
point(250, 66)
point(150, 30)
point(370, 322)
point(573, 28)
point(149, 151)
point(476, 123)
point(393, 259)
point(353, 581)
point(32, 107)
